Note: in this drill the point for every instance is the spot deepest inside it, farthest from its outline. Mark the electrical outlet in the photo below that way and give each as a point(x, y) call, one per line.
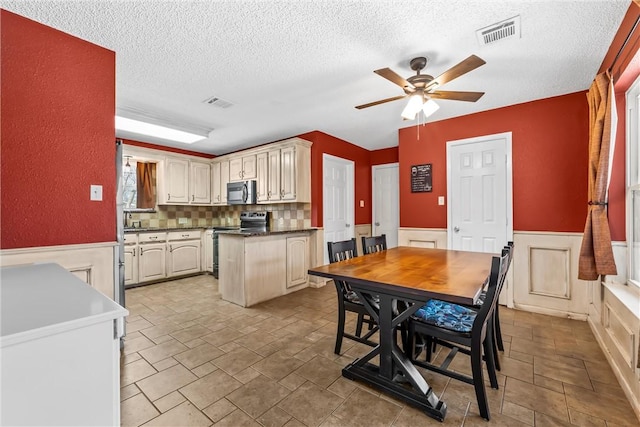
point(182, 220)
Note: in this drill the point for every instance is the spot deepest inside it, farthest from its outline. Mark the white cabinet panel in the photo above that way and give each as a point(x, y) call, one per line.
point(200, 183)
point(130, 264)
point(262, 173)
point(274, 188)
point(297, 261)
point(176, 181)
point(288, 170)
point(183, 257)
point(207, 250)
point(152, 261)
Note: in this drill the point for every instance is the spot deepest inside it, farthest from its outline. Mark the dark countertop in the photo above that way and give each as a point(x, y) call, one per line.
point(253, 233)
point(141, 230)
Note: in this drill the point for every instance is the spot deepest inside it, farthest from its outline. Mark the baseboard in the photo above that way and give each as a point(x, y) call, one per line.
point(550, 312)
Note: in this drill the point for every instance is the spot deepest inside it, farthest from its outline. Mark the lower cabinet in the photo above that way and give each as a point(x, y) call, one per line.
point(183, 257)
point(130, 264)
point(297, 261)
point(152, 261)
point(207, 250)
point(258, 268)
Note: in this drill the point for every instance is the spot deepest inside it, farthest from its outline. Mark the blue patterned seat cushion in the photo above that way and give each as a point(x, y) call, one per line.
point(446, 315)
point(353, 297)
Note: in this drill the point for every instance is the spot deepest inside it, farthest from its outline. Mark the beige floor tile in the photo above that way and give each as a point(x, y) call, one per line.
point(169, 401)
point(365, 409)
point(237, 419)
point(288, 342)
point(237, 360)
point(184, 415)
point(210, 388)
point(135, 371)
point(198, 355)
point(310, 404)
point(274, 417)
point(599, 405)
point(164, 382)
point(220, 409)
point(136, 411)
point(258, 395)
point(321, 371)
point(277, 365)
point(162, 351)
point(537, 398)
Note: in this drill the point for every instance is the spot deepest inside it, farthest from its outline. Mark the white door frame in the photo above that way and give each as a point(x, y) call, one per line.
point(507, 136)
point(350, 214)
point(373, 194)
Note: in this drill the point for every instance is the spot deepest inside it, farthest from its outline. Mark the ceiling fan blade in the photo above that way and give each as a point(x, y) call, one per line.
point(455, 95)
point(391, 75)
point(382, 101)
point(469, 64)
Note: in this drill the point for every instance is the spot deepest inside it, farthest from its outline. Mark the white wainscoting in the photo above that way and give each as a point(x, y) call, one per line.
point(423, 237)
point(545, 267)
point(91, 262)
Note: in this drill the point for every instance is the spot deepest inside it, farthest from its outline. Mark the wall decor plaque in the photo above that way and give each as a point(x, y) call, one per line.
point(421, 178)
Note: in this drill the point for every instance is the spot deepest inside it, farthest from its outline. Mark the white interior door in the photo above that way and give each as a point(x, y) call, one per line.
point(385, 203)
point(337, 197)
point(479, 187)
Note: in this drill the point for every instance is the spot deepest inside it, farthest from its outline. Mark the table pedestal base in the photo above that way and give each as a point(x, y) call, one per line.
point(368, 373)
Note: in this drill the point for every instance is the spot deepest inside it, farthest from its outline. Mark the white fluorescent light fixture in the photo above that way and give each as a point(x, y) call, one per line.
point(143, 128)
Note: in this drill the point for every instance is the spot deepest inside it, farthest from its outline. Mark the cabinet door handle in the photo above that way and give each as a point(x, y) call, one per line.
point(193, 197)
point(141, 251)
point(168, 196)
point(170, 248)
point(134, 251)
point(153, 237)
point(185, 235)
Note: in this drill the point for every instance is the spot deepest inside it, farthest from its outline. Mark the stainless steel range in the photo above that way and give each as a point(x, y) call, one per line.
point(250, 222)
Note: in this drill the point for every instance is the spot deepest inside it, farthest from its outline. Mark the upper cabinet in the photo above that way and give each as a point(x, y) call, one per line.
point(288, 172)
point(184, 181)
point(242, 168)
point(219, 180)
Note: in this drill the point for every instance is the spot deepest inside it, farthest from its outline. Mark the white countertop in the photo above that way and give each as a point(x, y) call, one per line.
point(44, 299)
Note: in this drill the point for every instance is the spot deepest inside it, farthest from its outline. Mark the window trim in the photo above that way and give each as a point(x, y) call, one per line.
point(632, 154)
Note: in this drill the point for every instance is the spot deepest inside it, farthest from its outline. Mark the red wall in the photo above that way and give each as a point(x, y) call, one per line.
point(384, 156)
point(323, 143)
point(57, 108)
point(549, 154)
point(163, 148)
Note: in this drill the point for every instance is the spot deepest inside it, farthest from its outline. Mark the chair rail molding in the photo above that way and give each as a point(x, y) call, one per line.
point(93, 263)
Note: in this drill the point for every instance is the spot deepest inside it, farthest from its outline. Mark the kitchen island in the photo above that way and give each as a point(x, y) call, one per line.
point(256, 266)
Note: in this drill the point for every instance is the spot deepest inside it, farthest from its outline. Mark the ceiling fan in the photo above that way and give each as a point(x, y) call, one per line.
point(422, 88)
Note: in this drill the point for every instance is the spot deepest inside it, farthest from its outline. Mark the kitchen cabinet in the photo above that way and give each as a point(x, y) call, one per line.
point(184, 181)
point(289, 174)
point(200, 183)
point(207, 250)
point(219, 180)
point(183, 252)
point(152, 256)
point(297, 261)
point(273, 186)
point(60, 346)
point(242, 168)
point(262, 178)
point(254, 269)
point(176, 181)
point(130, 259)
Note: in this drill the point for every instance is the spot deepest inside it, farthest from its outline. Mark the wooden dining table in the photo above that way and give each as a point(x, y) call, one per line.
point(414, 276)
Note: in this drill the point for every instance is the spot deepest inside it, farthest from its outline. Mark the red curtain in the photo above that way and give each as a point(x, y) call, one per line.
point(596, 254)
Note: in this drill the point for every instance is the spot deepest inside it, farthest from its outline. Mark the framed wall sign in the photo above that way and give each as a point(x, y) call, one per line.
point(421, 178)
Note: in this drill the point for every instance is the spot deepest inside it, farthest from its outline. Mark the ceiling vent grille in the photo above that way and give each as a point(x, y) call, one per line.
point(507, 29)
point(218, 102)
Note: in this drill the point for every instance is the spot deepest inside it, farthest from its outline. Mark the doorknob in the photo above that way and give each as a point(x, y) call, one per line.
point(347, 225)
point(377, 224)
point(456, 229)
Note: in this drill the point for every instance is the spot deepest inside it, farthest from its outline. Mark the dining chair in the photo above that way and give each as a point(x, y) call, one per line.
point(348, 300)
point(463, 330)
point(374, 244)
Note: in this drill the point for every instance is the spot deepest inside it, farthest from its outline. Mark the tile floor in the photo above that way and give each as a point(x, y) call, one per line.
point(192, 359)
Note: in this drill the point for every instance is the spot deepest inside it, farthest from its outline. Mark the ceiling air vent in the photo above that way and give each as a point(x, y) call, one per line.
point(218, 102)
point(507, 29)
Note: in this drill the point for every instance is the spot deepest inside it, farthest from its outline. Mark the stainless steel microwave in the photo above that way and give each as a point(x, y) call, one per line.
point(241, 193)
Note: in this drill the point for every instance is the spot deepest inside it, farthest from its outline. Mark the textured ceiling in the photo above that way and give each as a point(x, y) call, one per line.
point(290, 67)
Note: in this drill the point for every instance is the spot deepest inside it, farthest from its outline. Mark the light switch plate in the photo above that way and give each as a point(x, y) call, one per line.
point(96, 192)
point(441, 200)
point(362, 203)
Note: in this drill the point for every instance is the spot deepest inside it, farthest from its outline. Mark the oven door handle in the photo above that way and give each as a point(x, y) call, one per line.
point(245, 193)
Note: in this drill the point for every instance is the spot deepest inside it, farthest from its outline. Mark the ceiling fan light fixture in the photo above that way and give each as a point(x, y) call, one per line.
point(430, 107)
point(413, 107)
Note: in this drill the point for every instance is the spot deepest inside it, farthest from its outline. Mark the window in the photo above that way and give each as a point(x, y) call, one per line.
point(633, 182)
point(130, 185)
point(138, 185)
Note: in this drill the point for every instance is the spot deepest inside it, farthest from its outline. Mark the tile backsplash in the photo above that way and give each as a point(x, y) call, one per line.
point(283, 215)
